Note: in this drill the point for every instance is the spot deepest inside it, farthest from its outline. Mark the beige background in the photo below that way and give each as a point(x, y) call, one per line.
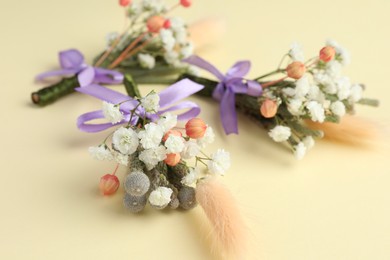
point(335, 204)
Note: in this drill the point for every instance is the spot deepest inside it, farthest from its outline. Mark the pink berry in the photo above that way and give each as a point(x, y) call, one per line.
point(171, 132)
point(296, 70)
point(186, 3)
point(269, 108)
point(124, 3)
point(167, 24)
point(109, 184)
point(172, 159)
point(327, 54)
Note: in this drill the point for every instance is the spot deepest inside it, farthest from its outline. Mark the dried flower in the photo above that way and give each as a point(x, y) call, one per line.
point(280, 133)
point(338, 108)
point(208, 137)
point(160, 197)
point(219, 163)
point(296, 69)
point(109, 184)
point(152, 135)
point(296, 52)
point(136, 183)
point(174, 144)
point(317, 111)
point(146, 61)
point(299, 151)
point(269, 108)
point(112, 113)
point(191, 149)
point(125, 140)
point(191, 177)
point(122, 159)
point(196, 128)
point(151, 157)
point(151, 102)
point(167, 122)
point(100, 153)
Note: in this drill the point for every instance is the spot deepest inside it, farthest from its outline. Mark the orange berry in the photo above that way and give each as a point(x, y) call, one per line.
point(195, 128)
point(269, 108)
point(296, 70)
point(186, 3)
point(171, 132)
point(124, 3)
point(172, 159)
point(155, 23)
point(327, 53)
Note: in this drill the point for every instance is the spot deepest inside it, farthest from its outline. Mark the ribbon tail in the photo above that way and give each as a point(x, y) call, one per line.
point(193, 111)
point(108, 76)
point(228, 112)
point(178, 91)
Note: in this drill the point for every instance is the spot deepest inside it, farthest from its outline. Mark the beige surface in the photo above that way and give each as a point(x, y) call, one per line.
point(335, 204)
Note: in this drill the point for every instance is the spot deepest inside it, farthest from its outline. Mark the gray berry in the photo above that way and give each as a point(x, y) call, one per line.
point(134, 204)
point(174, 204)
point(186, 197)
point(137, 183)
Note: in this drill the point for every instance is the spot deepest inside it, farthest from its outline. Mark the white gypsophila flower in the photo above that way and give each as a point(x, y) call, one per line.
point(160, 197)
point(174, 144)
point(302, 86)
point(172, 58)
point(125, 140)
point(181, 36)
point(193, 70)
point(151, 103)
point(338, 108)
point(289, 91)
point(177, 23)
point(167, 39)
point(296, 52)
point(308, 141)
point(100, 153)
point(111, 37)
point(344, 88)
point(167, 122)
point(356, 93)
point(191, 177)
point(316, 94)
point(191, 149)
point(151, 136)
point(280, 133)
point(299, 151)
point(219, 163)
point(294, 106)
point(134, 9)
point(187, 50)
point(333, 68)
point(151, 157)
point(326, 81)
point(317, 111)
point(122, 159)
point(146, 61)
point(208, 137)
point(343, 54)
point(156, 6)
point(112, 113)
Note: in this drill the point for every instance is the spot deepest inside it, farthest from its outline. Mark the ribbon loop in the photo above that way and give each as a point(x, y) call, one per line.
point(72, 62)
point(168, 102)
point(229, 85)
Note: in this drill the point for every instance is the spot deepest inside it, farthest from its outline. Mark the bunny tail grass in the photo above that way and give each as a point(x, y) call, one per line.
point(229, 231)
point(351, 130)
point(207, 31)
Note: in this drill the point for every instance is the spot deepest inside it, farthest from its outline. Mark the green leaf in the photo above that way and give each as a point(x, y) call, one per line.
point(131, 87)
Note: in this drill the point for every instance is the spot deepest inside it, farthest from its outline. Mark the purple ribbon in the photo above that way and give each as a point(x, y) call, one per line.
point(169, 99)
point(229, 85)
point(72, 62)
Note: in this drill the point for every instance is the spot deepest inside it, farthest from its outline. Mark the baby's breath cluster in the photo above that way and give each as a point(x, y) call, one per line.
point(318, 92)
point(153, 40)
point(163, 158)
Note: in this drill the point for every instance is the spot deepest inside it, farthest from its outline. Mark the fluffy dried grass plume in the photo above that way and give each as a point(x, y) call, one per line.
point(351, 130)
point(206, 32)
point(229, 230)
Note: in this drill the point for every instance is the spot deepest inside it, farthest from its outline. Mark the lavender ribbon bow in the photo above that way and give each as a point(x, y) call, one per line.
point(168, 102)
point(72, 62)
point(229, 85)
